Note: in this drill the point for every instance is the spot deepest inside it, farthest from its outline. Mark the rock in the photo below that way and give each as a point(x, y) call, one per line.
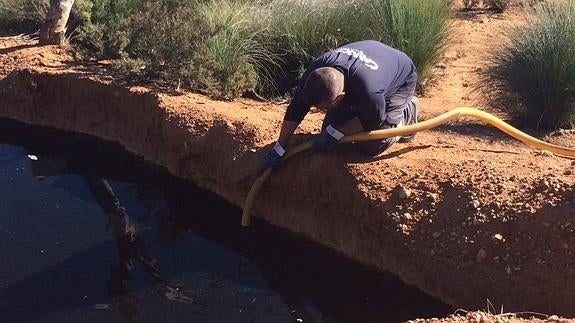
point(475, 204)
point(436, 234)
point(403, 192)
point(498, 236)
point(433, 196)
point(546, 153)
point(481, 255)
point(102, 306)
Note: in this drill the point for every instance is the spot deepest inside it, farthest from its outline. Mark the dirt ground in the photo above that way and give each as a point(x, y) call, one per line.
point(464, 212)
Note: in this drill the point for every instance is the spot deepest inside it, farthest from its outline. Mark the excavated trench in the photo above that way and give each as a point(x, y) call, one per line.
point(461, 231)
point(104, 236)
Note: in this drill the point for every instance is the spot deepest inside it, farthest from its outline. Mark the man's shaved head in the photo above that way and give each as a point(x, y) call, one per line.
point(323, 86)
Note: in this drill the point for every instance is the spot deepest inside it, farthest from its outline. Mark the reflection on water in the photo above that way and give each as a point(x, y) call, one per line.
point(7, 155)
point(90, 233)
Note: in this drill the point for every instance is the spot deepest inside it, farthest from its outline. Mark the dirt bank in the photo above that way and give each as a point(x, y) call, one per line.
point(463, 212)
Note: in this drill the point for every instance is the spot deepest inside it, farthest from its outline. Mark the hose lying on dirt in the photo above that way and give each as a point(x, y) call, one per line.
point(407, 130)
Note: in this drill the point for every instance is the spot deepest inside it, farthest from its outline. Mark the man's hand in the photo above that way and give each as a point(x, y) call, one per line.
point(328, 139)
point(272, 158)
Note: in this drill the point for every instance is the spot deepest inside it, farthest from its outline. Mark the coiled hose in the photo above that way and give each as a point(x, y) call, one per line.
point(407, 130)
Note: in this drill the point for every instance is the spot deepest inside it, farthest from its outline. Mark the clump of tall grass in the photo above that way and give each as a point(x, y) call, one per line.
point(300, 30)
point(232, 55)
point(304, 29)
point(419, 28)
point(534, 68)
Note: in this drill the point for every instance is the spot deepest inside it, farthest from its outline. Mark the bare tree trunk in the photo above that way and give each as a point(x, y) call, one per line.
point(54, 29)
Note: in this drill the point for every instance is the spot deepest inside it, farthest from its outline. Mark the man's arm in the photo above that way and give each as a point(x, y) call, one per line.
point(294, 115)
point(371, 115)
point(287, 130)
point(276, 152)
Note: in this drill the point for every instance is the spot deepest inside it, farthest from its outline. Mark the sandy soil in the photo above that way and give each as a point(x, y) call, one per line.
point(464, 212)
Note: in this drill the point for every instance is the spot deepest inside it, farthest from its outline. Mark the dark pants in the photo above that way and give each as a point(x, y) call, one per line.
point(402, 99)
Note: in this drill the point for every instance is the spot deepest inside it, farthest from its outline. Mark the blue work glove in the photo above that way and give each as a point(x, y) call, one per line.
point(328, 139)
point(272, 158)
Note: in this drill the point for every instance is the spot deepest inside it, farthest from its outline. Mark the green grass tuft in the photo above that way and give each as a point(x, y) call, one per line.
point(419, 28)
point(305, 29)
point(534, 70)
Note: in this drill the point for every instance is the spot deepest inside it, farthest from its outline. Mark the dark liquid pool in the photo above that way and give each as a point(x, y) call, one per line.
point(90, 233)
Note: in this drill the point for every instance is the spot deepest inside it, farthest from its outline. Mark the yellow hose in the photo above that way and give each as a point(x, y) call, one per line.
point(407, 130)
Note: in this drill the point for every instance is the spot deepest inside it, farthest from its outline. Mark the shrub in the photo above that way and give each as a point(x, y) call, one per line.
point(225, 47)
point(162, 35)
point(108, 26)
point(214, 45)
point(28, 15)
point(22, 15)
point(470, 4)
point(497, 5)
point(535, 66)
